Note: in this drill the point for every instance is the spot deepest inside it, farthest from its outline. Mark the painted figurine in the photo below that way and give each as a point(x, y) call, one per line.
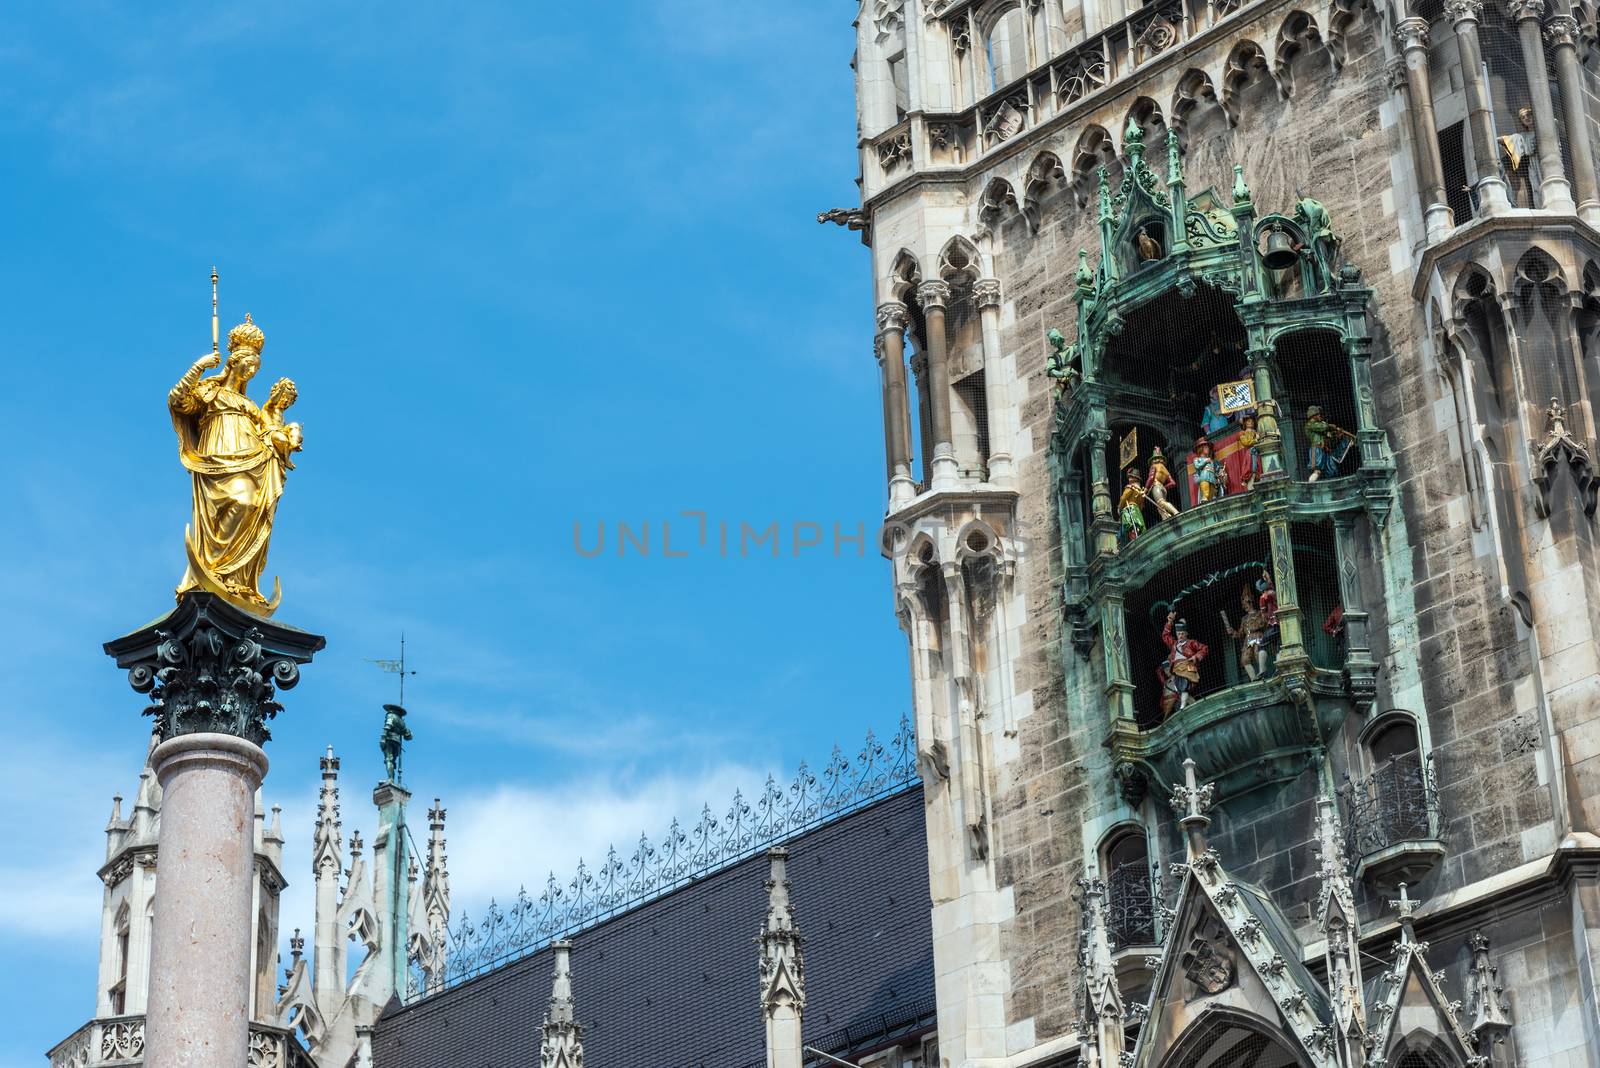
point(1130, 507)
point(1251, 633)
point(1267, 603)
point(1212, 420)
point(1248, 439)
point(1320, 437)
point(1058, 365)
point(1180, 671)
point(1333, 626)
point(1159, 483)
point(1208, 474)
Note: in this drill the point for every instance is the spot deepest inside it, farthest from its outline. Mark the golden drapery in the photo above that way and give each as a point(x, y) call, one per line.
point(225, 442)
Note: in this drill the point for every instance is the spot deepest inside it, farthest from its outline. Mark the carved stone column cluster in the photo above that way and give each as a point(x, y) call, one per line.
point(782, 969)
point(212, 672)
point(1555, 194)
point(1412, 36)
point(1491, 188)
point(1562, 32)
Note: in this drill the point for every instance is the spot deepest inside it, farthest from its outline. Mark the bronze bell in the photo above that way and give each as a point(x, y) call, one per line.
point(1280, 254)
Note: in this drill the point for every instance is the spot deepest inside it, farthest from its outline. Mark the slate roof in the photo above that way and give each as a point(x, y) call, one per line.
point(673, 983)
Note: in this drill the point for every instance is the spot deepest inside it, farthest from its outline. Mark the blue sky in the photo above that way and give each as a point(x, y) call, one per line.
point(531, 267)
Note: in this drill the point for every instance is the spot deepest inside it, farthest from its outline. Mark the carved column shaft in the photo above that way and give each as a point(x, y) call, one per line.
point(995, 387)
point(1554, 192)
point(1269, 433)
point(197, 1012)
point(1412, 35)
point(892, 357)
point(933, 296)
point(1290, 627)
point(1562, 32)
point(1491, 187)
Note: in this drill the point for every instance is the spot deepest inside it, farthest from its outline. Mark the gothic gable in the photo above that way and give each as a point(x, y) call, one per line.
point(1410, 1012)
point(1231, 967)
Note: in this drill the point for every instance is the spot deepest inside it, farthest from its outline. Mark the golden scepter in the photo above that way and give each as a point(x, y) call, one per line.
point(215, 348)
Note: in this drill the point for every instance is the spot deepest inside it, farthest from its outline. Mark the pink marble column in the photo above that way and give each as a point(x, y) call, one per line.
point(197, 1013)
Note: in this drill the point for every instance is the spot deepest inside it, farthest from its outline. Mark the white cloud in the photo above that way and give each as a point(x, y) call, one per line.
point(514, 835)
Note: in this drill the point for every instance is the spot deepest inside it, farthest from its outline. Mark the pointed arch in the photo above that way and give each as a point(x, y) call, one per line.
point(1147, 113)
point(1246, 63)
point(999, 199)
point(1342, 16)
point(904, 276)
point(959, 260)
point(1045, 174)
point(1297, 34)
point(1194, 91)
point(1095, 149)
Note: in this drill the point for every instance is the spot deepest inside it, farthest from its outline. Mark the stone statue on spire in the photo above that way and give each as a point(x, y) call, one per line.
point(392, 741)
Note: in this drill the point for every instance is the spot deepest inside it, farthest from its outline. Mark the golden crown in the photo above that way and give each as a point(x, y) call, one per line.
point(246, 335)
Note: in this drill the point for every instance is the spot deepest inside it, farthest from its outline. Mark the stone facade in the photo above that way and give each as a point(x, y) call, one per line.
point(1470, 557)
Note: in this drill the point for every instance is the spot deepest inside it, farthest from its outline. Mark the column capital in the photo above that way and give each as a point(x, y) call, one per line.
point(987, 290)
point(891, 317)
point(1412, 33)
point(1522, 10)
point(210, 667)
point(934, 293)
point(1561, 31)
point(1395, 68)
point(1464, 11)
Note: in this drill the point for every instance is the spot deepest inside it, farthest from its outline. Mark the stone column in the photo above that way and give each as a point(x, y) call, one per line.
point(1492, 196)
point(782, 969)
point(1562, 33)
point(210, 670)
point(1555, 194)
point(933, 296)
point(391, 865)
point(1412, 36)
point(198, 1007)
point(995, 387)
point(896, 413)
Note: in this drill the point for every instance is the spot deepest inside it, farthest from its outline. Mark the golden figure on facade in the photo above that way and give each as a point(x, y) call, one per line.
point(238, 455)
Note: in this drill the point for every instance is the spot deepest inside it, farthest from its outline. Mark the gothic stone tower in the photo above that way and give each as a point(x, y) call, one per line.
point(1327, 285)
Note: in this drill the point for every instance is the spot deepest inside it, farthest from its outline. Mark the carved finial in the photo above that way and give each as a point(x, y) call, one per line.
point(1241, 191)
point(782, 963)
point(297, 945)
point(116, 812)
point(1192, 801)
point(1174, 159)
point(1105, 196)
point(1404, 906)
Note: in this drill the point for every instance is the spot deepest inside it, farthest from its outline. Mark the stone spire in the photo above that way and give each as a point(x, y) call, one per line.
point(561, 1039)
point(783, 979)
point(430, 906)
point(1341, 928)
point(1101, 1035)
point(1491, 1020)
point(327, 863)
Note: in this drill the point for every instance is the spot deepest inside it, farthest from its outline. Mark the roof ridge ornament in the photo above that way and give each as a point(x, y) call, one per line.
point(681, 855)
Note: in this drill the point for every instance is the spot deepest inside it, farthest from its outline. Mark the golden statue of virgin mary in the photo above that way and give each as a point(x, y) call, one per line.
point(238, 456)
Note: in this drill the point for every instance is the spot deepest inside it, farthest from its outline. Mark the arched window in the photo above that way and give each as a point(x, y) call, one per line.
point(1396, 802)
point(1007, 46)
point(119, 989)
point(1130, 901)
